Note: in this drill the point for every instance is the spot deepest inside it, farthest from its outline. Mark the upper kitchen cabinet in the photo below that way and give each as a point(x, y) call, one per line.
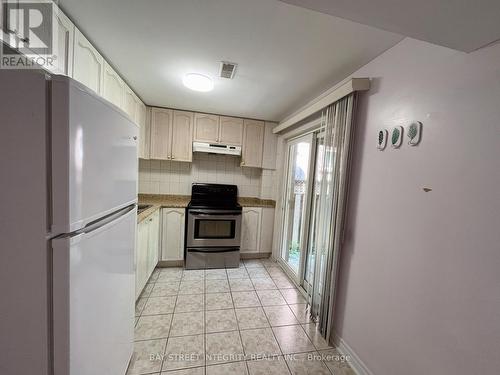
point(161, 133)
point(130, 103)
point(270, 147)
point(206, 128)
point(113, 86)
point(141, 119)
point(88, 64)
point(182, 135)
point(231, 130)
point(253, 143)
point(64, 31)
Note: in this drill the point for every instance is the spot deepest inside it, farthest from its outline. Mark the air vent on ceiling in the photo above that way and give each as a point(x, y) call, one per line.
point(227, 69)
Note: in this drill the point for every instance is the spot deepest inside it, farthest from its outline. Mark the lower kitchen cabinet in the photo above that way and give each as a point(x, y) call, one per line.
point(146, 256)
point(257, 230)
point(250, 229)
point(266, 233)
point(172, 234)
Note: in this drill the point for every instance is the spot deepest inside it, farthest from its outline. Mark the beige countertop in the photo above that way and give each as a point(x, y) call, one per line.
point(181, 201)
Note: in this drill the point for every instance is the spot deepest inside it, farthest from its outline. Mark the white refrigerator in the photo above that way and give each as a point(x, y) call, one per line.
point(67, 229)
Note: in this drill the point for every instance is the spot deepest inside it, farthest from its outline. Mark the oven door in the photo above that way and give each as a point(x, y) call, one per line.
point(213, 228)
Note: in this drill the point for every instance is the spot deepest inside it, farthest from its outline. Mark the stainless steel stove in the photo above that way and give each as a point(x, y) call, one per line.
point(213, 227)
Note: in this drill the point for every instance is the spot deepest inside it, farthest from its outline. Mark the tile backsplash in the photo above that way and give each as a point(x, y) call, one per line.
point(174, 177)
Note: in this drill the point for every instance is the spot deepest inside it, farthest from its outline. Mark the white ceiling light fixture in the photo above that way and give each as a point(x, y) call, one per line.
point(198, 82)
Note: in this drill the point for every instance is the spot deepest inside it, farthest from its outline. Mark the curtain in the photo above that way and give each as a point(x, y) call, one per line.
point(333, 173)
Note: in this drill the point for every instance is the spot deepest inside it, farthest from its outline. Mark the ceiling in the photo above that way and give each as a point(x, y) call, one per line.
point(287, 55)
point(464, 25)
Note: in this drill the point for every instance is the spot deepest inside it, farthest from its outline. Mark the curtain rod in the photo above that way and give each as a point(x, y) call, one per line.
point(354, 84)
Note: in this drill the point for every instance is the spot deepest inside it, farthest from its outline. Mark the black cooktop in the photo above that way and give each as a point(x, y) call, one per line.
point(214, 196)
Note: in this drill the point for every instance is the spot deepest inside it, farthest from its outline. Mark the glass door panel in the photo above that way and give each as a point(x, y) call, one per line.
point(314, 218)
point(296, 203)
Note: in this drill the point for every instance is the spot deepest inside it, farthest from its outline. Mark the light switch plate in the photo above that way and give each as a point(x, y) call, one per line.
point(397, 136)
point(414, 133)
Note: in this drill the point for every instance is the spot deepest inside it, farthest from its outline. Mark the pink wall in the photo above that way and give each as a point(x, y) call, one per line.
point(420, 279)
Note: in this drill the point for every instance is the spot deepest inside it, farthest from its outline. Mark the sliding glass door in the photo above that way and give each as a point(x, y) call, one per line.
point(296, 205)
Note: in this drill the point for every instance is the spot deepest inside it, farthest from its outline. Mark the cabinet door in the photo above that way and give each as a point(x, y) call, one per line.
point(182, 136)
point(141, 257)
point(231, 130)
point(266, 233)
point(144, 130)
point(153, 242)
point(270, 147)
point(161, 130)
point(114, 87)
point(253, 142)
point(63, 37)
point(250, 233)
point(130, 101)
point(172, 234)
point(88, 64)
point(206, 128)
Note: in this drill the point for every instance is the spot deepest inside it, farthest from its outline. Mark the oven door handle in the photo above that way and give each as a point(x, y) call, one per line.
point(198, 213)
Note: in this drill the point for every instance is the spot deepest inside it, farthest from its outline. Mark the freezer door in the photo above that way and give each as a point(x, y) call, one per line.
point(94, 156)
point(93, 298)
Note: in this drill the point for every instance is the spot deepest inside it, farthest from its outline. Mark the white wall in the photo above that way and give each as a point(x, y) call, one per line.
point(420, 273)
point(173, 177)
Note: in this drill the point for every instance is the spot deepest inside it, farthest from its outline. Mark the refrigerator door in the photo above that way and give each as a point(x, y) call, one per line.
point(94, 156)
point(93, 297)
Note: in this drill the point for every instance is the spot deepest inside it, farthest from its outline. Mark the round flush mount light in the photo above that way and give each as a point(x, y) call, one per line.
point(198, 82)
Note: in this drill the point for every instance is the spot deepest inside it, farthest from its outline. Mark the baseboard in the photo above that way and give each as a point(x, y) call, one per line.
point(170, 263)
point(356, 363)
point(254, 255)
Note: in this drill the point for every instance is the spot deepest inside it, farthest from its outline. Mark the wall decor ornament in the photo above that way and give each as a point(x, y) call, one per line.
point(414, 133)
point(397, 136)
point(382, 139)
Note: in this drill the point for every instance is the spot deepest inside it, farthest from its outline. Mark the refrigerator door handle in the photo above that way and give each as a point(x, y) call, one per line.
point(100, 224)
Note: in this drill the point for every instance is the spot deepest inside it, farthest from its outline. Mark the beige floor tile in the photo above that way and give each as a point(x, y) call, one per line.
point(315, 336)
point(293, 296)
point(184, 352)
point(224, 347)
point(146, 292)
point(187, 371)
point(162, 289)
point(283, 282)
point(159, 305)
point(336, 362)
point(240, 285)
point(235, 368)
point(276, 271)
point(280, 315)
point(307, 364)
point(216, 286)
point(257, 272)
point(193, 275)
point(293, 339)
point(270, 297)
point(192, 287)
point(170, 274)
point(220, 321)
point(263, 284)
point(190, 302)
point(268, 366)
point(259, 342)
point(251, 317)
point(301, 312)
point(151, 327)
point(218, 301)
point(188, 323)
point(253, 263)
point(216, 274)
point(245, 299)
point(139, 306)
point(147, 357)
point(237, 273)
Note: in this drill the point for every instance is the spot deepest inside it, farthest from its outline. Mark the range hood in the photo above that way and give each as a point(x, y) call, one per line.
point(216, 148)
